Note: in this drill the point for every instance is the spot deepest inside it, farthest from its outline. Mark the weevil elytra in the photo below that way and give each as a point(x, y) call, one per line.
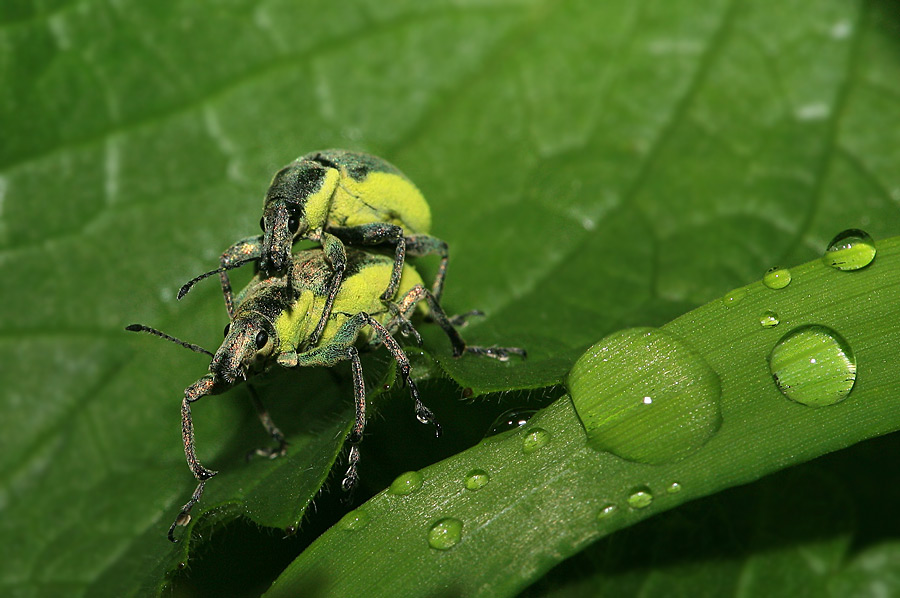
point(337, 197)
point(274, 325)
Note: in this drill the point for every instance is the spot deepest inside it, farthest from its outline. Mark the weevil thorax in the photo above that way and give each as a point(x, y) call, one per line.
point(296, 206)
point(249, 345)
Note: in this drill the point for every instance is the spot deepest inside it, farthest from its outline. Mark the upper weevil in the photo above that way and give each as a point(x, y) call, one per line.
point(337, 197)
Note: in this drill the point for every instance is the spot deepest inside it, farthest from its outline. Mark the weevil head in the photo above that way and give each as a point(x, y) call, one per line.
point(296, 207)
point(250, 343)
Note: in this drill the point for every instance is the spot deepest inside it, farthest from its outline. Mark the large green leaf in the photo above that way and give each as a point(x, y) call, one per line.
point(592, 165)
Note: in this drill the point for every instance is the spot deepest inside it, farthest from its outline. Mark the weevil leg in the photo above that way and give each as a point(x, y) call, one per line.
point(202, 387)
point(264, 417)
point(462, 320)
point(245, 249)
point(336, 256)
point(412, 298)
point(356, 434)
point(336, 350)
point(421, 245)
point(379, 233)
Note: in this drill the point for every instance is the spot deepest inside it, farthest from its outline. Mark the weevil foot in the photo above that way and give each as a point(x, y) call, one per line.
point(498, 353)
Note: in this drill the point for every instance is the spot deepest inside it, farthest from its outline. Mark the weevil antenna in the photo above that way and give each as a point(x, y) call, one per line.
point(191, 346)
point(189, 284)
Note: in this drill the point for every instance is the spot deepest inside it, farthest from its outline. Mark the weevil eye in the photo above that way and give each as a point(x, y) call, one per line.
point(293, 223)
point(262, 337)
point(262, 224)
point(227, 328)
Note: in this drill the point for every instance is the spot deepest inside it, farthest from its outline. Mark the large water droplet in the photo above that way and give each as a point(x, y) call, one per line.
point(445, 533)
point(406, 483)
point(534, 439)
point(777, 278)
point(813, 365)
point(477, 478)
point(510, 420)
point(640, 498)
point(852, 249)
point(645, 395)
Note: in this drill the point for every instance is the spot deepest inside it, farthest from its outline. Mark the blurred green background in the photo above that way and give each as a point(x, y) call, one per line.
point(593, 165)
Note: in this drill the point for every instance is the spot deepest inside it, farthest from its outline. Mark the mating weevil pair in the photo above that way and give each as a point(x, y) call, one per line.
point(322, 304)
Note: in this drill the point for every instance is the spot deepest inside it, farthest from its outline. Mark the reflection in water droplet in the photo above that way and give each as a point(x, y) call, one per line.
point(445, 533)
point(607, 511)
point(734, 297)
point(355, 519)
point(477, 478)
point(534, 439)
point(640, 498)
point(769, 319)
point(406, 483)
point(777, 278)
point(510, 420)
point(852, 249)
point(646, 396)
point(673, 488)
point(813, 365)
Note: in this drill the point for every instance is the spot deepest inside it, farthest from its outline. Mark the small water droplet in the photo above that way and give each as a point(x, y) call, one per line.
point(640, 498)
point(182, 565)
point(673, 488)
point(852, 249)
point(777, 278)
point(734, 297)
point(467, 392)
point(769, 319)
point(445, 533)
point(406, 483)
point(646, 396)
point(354, 520)
point(607, 511)
point(510, 420)
point(477, 478)
point(813, 365)
point(534, 439)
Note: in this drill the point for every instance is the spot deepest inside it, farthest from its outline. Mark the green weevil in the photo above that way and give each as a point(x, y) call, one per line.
point(274, 325)
point(336, 198)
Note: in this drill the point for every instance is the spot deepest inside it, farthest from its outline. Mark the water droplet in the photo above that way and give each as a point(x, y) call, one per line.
point(646, 396)
point(510, 420)
point(354, 520)
point(406, 483)
point(290, 530)
point(607, 511)
point(181, 565)
point(477, 478)
point(813, 365)
point(534, 439)
point(777, 278)
point(467, 392)
point(769, 319)
point(852, 249)
point(445, 533)
point(640, 498)
point(734, 297)
point(673, 488)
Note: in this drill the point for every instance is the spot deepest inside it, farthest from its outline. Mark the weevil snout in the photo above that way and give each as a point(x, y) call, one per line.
point(278, 236)
point(246, 347)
